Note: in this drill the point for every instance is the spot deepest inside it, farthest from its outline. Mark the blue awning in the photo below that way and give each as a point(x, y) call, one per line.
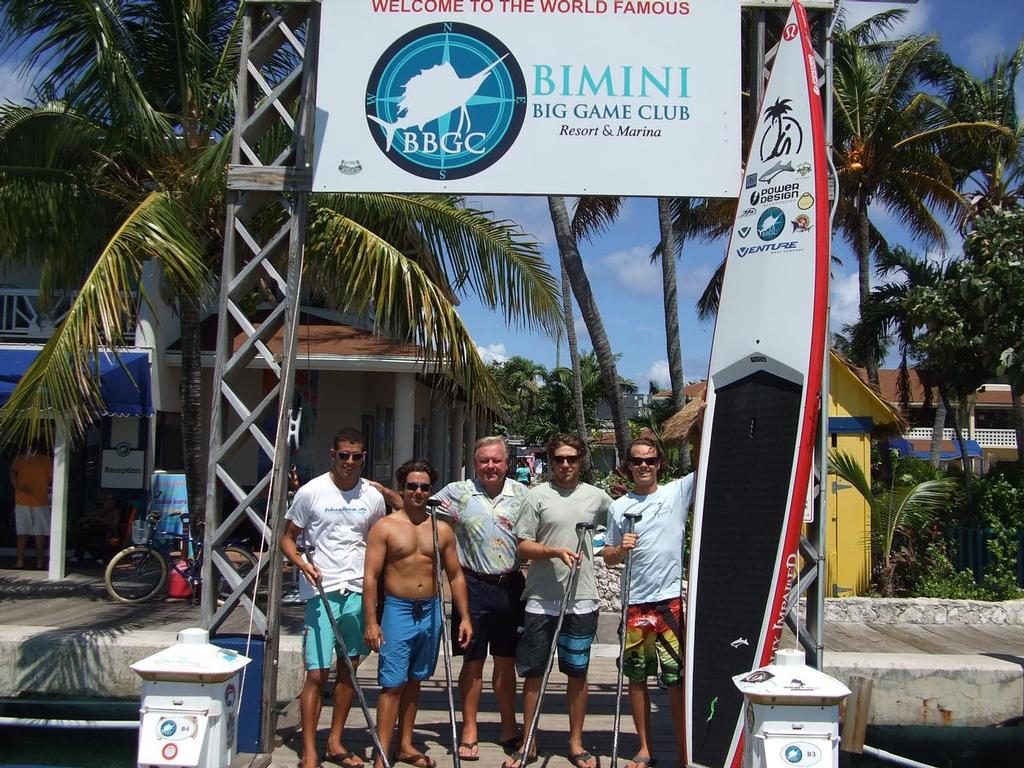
point(125, 392)
point(905, 448)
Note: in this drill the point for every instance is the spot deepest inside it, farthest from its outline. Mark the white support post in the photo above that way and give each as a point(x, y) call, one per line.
point(458, 428)
point(405, 417)
point(438, 423)
point(472, 437)
point(59, 505)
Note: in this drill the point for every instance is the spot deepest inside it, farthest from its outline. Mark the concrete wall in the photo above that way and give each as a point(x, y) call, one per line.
point(40, 660)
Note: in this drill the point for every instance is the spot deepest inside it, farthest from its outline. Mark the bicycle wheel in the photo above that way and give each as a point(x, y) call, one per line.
point(135, 574)
point(243, 561)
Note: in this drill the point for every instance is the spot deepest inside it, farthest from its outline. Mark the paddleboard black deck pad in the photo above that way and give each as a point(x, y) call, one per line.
point(764, 385)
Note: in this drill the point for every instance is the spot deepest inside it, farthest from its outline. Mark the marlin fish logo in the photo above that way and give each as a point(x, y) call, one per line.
point(432, 94)
point(739, 641)
point(775, 170)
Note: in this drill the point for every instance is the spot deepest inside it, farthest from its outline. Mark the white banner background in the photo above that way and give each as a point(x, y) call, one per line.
point(604, 144)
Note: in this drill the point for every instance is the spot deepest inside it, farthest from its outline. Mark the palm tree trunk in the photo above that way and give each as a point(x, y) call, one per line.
point(1017, 398)
point(192, 438)
point(935, 450)
point(673, 347)
point(862, 246)
point(574, 354)
point(570, 255)
point(965, 462)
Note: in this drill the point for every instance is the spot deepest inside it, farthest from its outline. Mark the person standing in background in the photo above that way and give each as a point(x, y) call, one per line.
point(31, 476)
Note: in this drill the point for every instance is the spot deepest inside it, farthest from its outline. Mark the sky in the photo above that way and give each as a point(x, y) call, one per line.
point(627, 286)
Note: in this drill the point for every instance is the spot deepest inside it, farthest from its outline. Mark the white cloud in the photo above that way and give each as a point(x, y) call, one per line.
point(529, 212)
point(845, 301)
point(633, 271)
point(693, 280)
point(13, 86)
point(659, 374)
point(492, 353)
point(983, 45)
point(915, 22)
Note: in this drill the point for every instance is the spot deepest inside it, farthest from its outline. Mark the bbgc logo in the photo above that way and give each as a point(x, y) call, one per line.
point(445, 101)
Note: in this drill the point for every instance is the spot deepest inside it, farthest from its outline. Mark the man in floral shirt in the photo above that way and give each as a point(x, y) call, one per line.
point(483, 512)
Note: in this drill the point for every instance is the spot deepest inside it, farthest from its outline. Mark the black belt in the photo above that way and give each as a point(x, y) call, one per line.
point(490, 578)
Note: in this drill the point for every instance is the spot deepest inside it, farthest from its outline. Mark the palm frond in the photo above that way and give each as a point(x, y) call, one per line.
point(593, 216)
point(62, 384)
point(364, 274)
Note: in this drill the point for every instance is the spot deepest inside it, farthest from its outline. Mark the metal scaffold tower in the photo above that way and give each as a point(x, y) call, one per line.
point(267, 211)
point(269, 182)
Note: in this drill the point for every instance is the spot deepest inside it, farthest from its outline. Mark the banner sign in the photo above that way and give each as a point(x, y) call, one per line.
point(122, 467)
point(168, 494)
point(612, 97)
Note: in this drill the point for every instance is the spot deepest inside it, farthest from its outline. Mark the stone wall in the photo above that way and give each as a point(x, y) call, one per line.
point(860, 610)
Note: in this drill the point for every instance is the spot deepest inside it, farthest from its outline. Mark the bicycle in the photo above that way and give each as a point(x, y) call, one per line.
point(139, 571)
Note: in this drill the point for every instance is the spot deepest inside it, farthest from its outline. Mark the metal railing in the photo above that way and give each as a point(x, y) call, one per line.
point(21, 313)
point(986, 438)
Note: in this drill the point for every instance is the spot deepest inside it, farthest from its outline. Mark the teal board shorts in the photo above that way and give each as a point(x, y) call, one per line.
point(318, 637)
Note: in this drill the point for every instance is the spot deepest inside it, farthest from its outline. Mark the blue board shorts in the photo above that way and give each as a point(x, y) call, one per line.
point(318, 637)
point(412, 636)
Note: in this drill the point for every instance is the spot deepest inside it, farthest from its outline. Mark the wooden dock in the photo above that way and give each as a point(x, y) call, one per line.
point(80, 603)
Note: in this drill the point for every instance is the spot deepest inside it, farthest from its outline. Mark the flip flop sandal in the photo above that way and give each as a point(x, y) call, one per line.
point(341, 757)
point(518, 757)
point(580, 759)
point(646, 761)
point(510, 745)
point(469, 745)
point(418, 760)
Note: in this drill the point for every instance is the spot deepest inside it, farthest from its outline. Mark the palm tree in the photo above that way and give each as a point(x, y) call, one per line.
point(885, 319)
point(126, 160)
point(574, 356)
point(887, 137)
point(570, 255)
point(895, 511)
point(991, 174)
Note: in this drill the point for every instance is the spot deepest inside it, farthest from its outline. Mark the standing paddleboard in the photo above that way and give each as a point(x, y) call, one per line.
point(763, 394)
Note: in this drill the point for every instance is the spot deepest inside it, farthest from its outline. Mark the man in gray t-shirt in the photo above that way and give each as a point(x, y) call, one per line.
point(546, 530)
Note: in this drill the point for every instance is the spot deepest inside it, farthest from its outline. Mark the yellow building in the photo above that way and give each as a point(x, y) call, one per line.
point(855, 411)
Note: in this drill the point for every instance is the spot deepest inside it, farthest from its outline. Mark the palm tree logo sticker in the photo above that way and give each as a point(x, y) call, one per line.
point(784, 135)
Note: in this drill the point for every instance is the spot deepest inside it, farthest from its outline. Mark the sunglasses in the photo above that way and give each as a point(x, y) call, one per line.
point(418, 487)
point(650, 461)
point(566, 459)
point(345, 456)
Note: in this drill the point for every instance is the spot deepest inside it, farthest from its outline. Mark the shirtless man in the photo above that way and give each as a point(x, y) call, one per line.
point(400, 557)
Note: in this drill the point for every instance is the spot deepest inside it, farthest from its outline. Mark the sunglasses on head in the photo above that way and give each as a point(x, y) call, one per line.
point(650, 461)
point(566, 459)
point(345, 456)
point(417, 486)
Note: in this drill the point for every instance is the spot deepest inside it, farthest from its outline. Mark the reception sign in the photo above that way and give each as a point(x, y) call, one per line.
point(617, 97)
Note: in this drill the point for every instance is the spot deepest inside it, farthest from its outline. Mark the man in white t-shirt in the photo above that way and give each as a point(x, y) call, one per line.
point(654, 619)
point(333, 513)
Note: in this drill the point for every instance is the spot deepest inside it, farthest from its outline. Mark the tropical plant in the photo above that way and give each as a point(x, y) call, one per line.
point(990, 174)
point(569, 252)
point(888, 133)
point(125, 159)
point(896, 511)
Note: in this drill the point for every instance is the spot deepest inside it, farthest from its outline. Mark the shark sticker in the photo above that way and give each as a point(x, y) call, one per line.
point(445, 101)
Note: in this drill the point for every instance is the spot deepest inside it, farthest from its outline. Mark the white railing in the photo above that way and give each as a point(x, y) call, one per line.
point(986, 438)
point(21, 314)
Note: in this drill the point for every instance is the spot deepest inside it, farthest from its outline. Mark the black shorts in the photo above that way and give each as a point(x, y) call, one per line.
point(574, 641)
point(496, 611)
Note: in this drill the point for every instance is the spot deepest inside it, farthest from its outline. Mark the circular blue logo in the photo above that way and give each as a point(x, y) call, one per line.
point(168, 728)
point(771, 224)
point(794, 754)
point(445, 101)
